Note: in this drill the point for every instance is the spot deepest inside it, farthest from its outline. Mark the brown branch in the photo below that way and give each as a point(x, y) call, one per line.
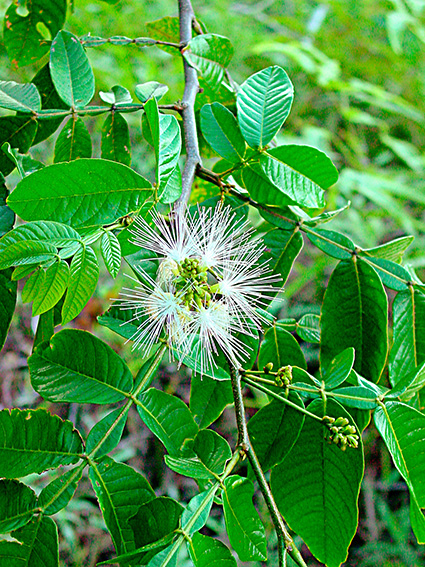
point(191, 89)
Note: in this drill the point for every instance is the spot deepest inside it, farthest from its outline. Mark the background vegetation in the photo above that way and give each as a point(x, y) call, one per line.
point(358, 72)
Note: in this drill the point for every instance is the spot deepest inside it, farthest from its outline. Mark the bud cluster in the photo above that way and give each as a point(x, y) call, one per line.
point(340, 432)
point(283, 377)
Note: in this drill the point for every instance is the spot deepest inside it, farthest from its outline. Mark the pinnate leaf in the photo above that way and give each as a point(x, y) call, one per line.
point(8, 291)
point(73, 142)
point(208, 399)
point(282, 249)
point(19, 132)
point(274, 429)
point(354, 314)
point(263, 102)
point(53, 287)
point(222, 132)
point(116, 139)
point(37, 539)
point(19, 97)
point(83, 276)
point(85, 192)
point(32, 441)
point(70, 69)
point(169, 419)
point(316, 488)
point(59, 492)
point(403, 430)
point(76, 366)
point(17, 505)
point(244, 527)
point(281, 348)
point(23, 40)
point(206, 551)
point(118, 505)
point(209, 54)
point(111, 252)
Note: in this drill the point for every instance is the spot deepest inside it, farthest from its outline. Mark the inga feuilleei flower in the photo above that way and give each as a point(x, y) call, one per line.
point(209, 289)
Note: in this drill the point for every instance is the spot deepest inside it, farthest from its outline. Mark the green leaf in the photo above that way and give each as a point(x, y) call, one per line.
point(244, 527)
point(111, 253)
point(52, 289)
point(22, 38)
point(78, 367)
point(392, 250)
point(308, 328)
point(282, 249)
point(310, 162)
point(213, 450)
point(7, 218)
point(32, 441)
point(354, 314)
point(19, 97)
point(165, 29)
point(17, 505)
point(164, 134)
point(25, 243)
point(155, 520)
point(84, 273)
point(21, 253)
point(118, 505)
point(332, 243)
point(70, 69)
point(356, 397)
point(73, 142)
point(191, 467)
point(316, 488)
point(8, 291)
point(169, 419)
point(85, 192)
point(107, 433)
point(152, 89)
point(37, 539)
point(206, 551)
point(274, 429)
point(49, 100)
point(19, 132)
point(281, 348)
point(57, 494)
point(222, 132)
point(271, 182)
point(403, 430)
point(200, 505)
point(208, 399)
point(408, 349)
point(339, 369)
point(392, 275)
point(263, 102)
point(119, 94)
point(410, 384)
point(116, 139)
point(209, 54)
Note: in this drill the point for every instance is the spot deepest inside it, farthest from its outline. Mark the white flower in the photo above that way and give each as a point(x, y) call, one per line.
point(209, 287)
point(159, 310)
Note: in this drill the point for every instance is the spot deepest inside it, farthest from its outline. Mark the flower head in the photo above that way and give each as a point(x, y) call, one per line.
point(209, 285)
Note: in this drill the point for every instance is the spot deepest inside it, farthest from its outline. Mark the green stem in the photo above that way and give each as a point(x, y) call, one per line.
point(216, 179)
point(283, 536)
point(280, 398)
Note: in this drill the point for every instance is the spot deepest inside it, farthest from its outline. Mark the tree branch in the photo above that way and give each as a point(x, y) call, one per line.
point(191, 89)
point(285, 540)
